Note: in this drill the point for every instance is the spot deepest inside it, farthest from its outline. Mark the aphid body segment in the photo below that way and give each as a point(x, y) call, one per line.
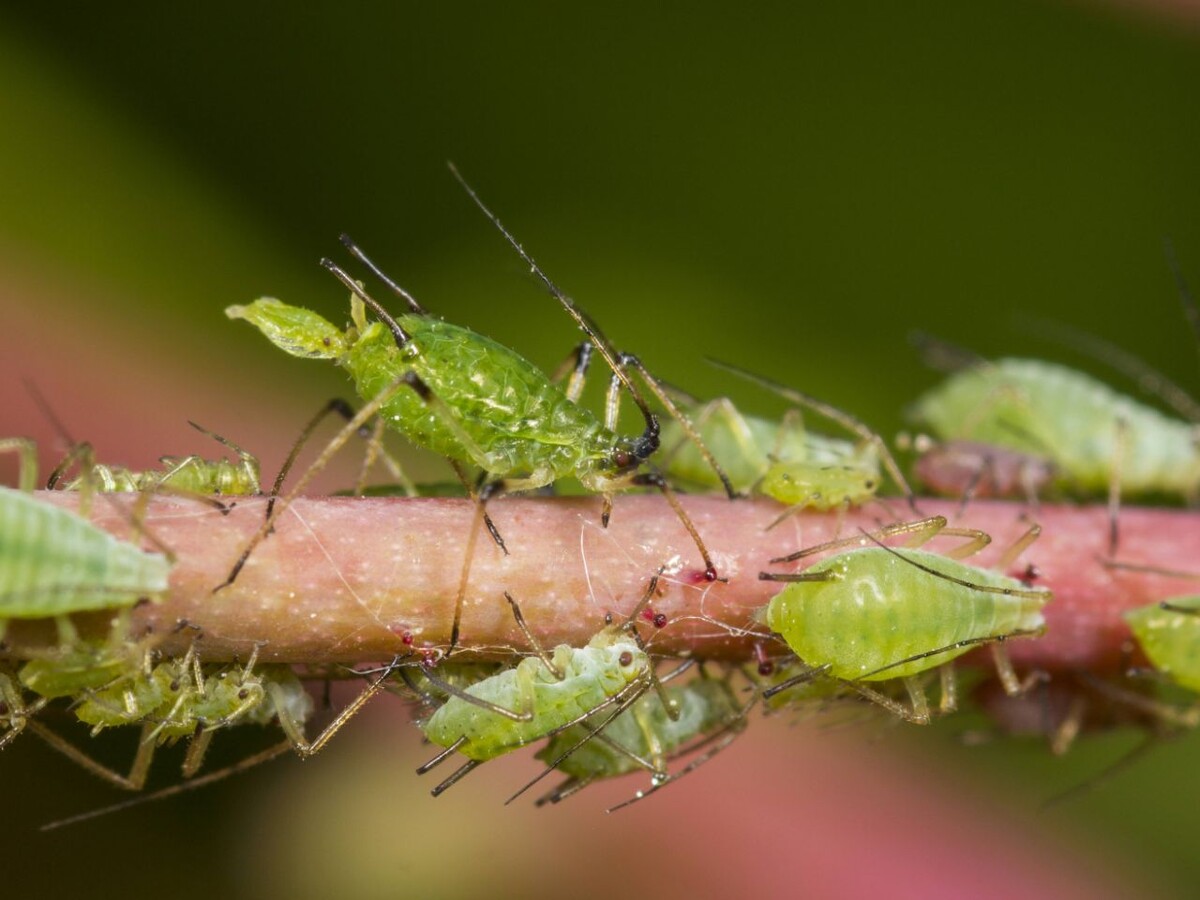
point(54, 562)
point(1084, 427)
point(780, 459)
point(1169, 635)
point(874, 614)
point(643, 734)
point(610, 665)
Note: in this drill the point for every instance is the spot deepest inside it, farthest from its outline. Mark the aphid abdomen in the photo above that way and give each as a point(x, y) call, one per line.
point(881, 609)
point(54, 562)
point(1170, 639)
point(507, 407)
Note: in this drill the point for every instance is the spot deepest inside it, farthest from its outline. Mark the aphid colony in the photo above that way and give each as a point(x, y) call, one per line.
point(862, 622)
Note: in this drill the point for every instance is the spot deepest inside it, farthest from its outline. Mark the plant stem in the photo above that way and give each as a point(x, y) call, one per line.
point(352, 580)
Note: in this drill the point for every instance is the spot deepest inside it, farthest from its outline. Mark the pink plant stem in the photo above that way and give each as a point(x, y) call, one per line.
point(353, 580)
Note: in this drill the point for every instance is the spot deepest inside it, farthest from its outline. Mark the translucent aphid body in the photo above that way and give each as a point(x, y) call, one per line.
point(1169, 635)
point(179, 474)
point(872, 614)
point(643, 735)
point(591, 677)
point(1085, 428)
point(780, 459)
point(54, 562)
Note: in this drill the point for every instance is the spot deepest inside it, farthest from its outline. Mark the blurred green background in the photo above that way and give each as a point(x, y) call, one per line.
point(794, 189)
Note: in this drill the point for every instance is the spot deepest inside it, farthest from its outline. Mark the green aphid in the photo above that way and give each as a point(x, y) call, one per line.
point(644, 738)
point(476, 402)
point(780, 459)
point(540, 696)
point(877, 614)
point(53, 562)
point(1092, 435)
point(185, 475)
point(1169, 635)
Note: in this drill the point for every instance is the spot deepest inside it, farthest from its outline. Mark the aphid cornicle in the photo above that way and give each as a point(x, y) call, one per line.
point(877, 613)
point(1090, 432)
point(475, 401)
point(541, 695)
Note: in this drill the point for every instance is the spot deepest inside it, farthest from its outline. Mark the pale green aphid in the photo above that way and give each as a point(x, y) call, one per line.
point(644, 738)
point(1169, 635)
point(179, 698)
point(781, 459)
point(540, 696)
point(54, 562)
point(878, 614)
point(187, 475)
point(1092, 434)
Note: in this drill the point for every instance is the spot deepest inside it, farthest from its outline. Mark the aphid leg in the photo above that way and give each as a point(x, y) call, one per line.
point(919, 531)
point(574, 368)
point(630, 361)
point(1120, 445)
point(565, 789)
point(82, 455)
point(27, 461)
point(442, 756)
point(545, 657)
point(351, 428)
point(14, 711)
point(802, 678)
point(1064, 734)
point(1169, 714)
point(948, 681)
point(134, 781)
point(524, 696)
point(248, 464)
point(456, 776)
point(1013, 686)
point(655, 479)
point(1019, 546)
point(465, 574)
point(917, 712)
point(357, 253)
point(723, 738)
point(203, 781)
point(847, 421)
point(295, 731)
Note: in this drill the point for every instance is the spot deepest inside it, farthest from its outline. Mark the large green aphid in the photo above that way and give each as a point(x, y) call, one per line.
point(477, 402)
point(541, 695)
point(1094, 436)
point(877, 613)
point(644, 738)
point(779, 458)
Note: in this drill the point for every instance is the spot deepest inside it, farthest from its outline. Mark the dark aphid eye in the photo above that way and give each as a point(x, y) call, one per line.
point(622, 458)
point(243, 694)
point(3, 708)
point(626, 659)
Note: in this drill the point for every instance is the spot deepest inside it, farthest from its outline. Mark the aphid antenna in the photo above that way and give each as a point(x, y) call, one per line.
point(1146, 569)
point(920, 531)
point(191, 785)
point(957, 645)
point(847, 421)
point(1031, 593)
point(617, 362)
point(358, 254)
point(1148, 379)
point(942, 355)
point(402, 337)
point(804, 677)
point(1122, 762)
point(57, 424)
point(1191, 309)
